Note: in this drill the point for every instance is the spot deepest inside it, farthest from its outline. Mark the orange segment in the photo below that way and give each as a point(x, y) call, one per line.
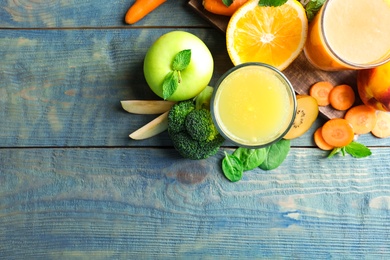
point(272, 35)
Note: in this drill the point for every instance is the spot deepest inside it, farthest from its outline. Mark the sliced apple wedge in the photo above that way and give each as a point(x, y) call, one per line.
point(146, 106)
point(154, 127)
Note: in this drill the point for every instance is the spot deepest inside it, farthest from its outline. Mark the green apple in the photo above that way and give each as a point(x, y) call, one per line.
point(192, 79)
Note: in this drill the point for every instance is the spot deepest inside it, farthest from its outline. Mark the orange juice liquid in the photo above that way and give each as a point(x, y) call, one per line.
point(252, 106)
point(350, 34)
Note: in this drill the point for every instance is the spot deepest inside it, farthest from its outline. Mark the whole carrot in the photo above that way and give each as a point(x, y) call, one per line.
point(218, 7)
point(140, 9)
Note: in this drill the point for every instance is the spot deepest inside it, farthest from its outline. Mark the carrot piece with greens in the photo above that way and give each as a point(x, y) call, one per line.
point(320, 91)
point(337, 132)
point(362, 118)
point(382, 126)
point(342, 97)
point(140, 9)
point(218, 7)
point(320, 142)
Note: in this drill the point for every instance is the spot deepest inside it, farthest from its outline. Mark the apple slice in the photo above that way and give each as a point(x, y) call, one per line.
point(146, 107)
point(307, 112)
point(154, 127)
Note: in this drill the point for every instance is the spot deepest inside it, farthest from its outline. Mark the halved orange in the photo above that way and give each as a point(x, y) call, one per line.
point(272, 35)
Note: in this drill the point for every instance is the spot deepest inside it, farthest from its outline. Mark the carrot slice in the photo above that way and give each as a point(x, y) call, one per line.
point(218, 7)
point(320, 142)
point(362, 118)
point(382, 126)
point(140, 9)
point(337, 132)
point(320, 91)
point(342, 97)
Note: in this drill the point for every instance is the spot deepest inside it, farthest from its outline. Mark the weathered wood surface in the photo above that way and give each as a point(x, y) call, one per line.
point(73, 185)
point(75, 13)
point(134, 203)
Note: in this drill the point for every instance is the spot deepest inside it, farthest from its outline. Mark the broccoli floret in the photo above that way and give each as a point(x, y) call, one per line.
point(195, 150)
point(192, 130)
point(200, 126)
point(177, 115)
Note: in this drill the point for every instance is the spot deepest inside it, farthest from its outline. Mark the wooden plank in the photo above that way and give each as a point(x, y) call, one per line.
point(150, 203)
point(301, 73)
point(63, 87)
point(97, 13)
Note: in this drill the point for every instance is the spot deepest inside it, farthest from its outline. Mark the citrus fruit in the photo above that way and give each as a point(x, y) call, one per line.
point(272, 35)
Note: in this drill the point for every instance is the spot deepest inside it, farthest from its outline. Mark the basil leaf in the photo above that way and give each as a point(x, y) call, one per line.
point(227, 2)
point(312, 8)
point(357, 150)
point(170, 84)
point(250, 158)
point(232, 167)
point(276, 154)
point(271, 2)
point(181, 60)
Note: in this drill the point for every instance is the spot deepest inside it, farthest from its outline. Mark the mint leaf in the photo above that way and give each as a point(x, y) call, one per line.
point(170, 84)
point(355, 149)
point(172, 80)
point(358, 150)
point(227, 2)
point(312, 7)
point(181, 60)
point(271, 2)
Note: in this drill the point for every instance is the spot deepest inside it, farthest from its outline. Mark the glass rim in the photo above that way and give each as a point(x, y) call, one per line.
point(291, 94)
point(340, 59)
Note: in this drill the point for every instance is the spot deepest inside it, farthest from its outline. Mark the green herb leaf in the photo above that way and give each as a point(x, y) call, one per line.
point(170, 84)
point(181, 60)
point(276, 154)
point(334, 152)
point(232, 167)
point(358, 150)
point(312, 8)
point(250, 158)
point(355, 149)
point(271, 2)
point(227, 2)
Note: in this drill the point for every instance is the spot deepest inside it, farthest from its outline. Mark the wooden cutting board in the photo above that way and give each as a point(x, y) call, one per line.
point(301, 73)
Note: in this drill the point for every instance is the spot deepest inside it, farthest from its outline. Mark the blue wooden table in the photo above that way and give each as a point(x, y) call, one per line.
point(73, 185)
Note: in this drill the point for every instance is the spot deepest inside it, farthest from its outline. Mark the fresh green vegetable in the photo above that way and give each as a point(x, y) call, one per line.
point(267, 158)
point(250, 158)
point(276, 154)
point(312, 7)
point(177, 116)
point(200, 126)
point(355, 149)
point(232, 167)
point(203, 99)
point(173, 78)
point(192, 131)
point(271, 2)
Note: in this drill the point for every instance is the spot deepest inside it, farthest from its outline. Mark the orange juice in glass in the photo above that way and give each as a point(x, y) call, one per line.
point(349, 34)
point(253, 105)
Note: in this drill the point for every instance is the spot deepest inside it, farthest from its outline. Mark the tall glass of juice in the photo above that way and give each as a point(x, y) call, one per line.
point(350, 34)
point(253, 105)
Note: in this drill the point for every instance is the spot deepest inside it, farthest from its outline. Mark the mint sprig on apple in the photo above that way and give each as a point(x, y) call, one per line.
point(172, 80)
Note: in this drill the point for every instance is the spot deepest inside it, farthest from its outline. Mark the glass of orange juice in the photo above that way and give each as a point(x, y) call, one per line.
point(349, 34)
point(253, 105)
